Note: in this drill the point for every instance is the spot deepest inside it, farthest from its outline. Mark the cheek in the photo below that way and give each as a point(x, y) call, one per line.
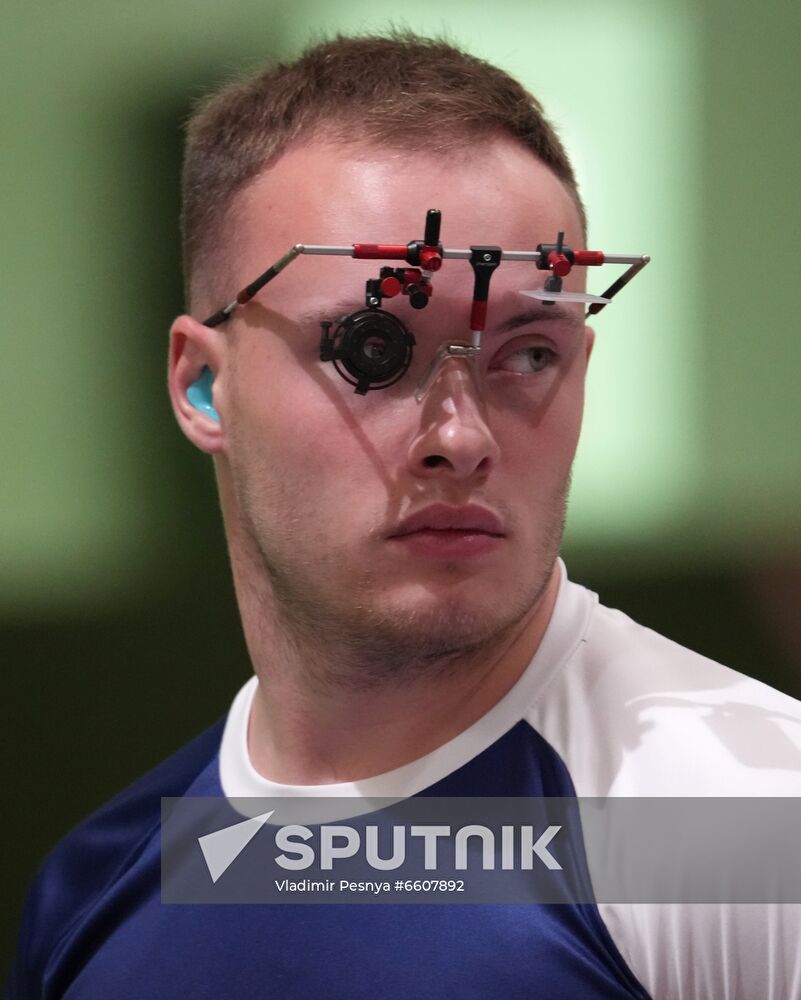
point(310, 445)
point(541, 455)
point(540, 431)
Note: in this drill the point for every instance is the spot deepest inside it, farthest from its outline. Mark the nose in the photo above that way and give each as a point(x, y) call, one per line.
point(454, 438)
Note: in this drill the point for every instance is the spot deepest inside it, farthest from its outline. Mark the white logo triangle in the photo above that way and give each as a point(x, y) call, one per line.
point(223, 847)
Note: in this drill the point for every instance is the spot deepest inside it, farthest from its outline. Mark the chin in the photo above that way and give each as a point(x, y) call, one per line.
point(441, 626)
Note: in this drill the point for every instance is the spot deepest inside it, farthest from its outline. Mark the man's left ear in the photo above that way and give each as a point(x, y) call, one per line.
point(589, 342)
point(192, 378)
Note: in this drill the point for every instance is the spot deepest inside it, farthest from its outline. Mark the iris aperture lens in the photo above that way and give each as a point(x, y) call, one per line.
point(371, 349)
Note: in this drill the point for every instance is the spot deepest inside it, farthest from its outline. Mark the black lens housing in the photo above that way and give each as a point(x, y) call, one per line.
point(371, 349)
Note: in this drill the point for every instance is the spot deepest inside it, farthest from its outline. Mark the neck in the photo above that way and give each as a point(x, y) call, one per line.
point(313, 723)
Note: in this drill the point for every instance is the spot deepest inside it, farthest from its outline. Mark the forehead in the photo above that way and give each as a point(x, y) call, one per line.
point(493, 192)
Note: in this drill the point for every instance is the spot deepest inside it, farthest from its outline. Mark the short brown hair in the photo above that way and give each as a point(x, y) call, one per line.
point(399, 90)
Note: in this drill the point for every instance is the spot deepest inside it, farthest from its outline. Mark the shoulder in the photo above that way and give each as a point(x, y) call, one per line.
point(633, 713)
point(96, 854)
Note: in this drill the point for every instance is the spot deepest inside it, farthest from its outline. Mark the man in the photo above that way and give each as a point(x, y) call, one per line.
point(395, 559)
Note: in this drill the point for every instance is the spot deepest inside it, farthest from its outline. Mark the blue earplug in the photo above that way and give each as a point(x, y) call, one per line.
point(199, 394)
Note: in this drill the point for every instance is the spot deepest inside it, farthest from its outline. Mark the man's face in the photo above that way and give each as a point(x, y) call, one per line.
point(319, 482)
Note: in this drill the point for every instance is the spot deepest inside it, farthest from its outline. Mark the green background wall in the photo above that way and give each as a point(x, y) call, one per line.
point(118, 631)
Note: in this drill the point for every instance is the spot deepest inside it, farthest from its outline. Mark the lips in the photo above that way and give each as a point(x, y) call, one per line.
point(470, 519)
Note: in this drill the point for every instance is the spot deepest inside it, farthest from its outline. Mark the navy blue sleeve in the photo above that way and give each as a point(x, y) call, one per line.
point(91, 857)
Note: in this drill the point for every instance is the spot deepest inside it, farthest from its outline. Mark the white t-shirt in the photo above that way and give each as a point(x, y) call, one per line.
point(629, 713)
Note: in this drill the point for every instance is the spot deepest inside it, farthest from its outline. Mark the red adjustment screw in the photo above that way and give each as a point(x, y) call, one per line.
point(430, 259)
point(390, 287)
point(559, 264)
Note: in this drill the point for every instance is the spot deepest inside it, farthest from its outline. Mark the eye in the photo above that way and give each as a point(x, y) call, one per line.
point(374, 347)
point(525, 361)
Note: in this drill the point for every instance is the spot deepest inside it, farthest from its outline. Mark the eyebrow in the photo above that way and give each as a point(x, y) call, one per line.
point(536, 314)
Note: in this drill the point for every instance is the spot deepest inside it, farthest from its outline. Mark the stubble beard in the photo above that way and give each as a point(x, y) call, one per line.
point(335, 635)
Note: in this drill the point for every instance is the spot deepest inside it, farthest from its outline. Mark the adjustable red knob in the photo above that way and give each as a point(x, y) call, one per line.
point(430, 259)
point(390, 286)
point(559, 264)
